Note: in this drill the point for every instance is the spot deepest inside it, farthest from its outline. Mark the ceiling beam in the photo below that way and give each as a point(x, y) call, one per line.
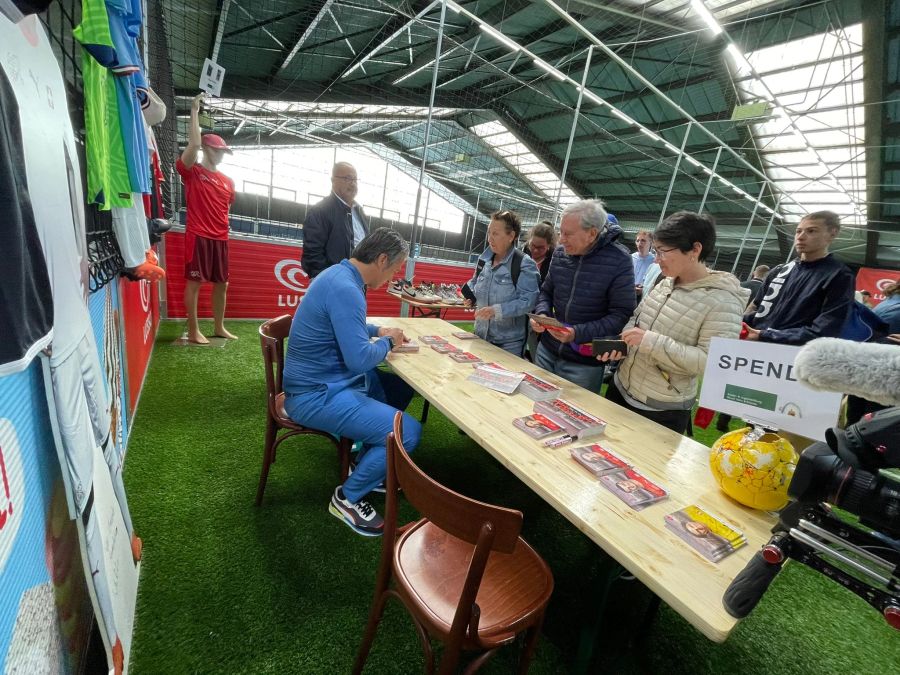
point(298, 43)
point(221, 20)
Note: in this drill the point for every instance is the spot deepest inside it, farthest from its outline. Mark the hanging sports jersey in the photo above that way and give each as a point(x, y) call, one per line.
point(26, 304)
point(48, 148)
point(108, 181)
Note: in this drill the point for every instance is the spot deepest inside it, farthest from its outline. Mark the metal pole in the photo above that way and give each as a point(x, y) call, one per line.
point(384, 187)
point(271, 180)
point(765, 236)
point(562, 178)
point(747, 231)
point(411, 262)
point(474, 222)
point(687, 132)
point(709, 182)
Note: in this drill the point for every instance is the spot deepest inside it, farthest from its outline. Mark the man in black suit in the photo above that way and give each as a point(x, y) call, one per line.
point(335, 225)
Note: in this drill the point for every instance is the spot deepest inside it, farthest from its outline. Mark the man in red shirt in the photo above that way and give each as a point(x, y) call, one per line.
point(209, 194)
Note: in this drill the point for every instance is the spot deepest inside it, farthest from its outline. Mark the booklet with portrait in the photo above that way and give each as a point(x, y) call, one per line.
point(538, 389)
point(537, 425)
point(598, 460)
point(406, 348)
point(464, 357)
point(632, 488)
point(577, 422)
point(705, 533)
point(546, 321)
point(444, 348)
point(504, 381)
point(432, 339)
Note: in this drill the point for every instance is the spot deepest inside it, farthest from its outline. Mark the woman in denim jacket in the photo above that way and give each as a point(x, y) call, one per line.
point(501, 305)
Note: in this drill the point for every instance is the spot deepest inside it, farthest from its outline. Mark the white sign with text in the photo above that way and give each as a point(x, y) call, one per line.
point(755, 381)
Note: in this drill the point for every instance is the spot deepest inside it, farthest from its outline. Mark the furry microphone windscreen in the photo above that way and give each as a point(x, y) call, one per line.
point(870, 371)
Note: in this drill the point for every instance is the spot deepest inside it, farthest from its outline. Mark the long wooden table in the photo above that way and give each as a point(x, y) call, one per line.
point(637, 540)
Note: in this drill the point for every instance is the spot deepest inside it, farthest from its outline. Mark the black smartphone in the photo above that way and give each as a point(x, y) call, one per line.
point(605, 346)
point(467, 293)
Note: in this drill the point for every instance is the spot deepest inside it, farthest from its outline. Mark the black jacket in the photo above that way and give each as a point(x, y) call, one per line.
point(802, 301)
point(544, 267)
point(328, 234)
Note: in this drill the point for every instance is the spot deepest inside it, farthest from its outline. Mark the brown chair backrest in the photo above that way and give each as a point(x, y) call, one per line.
point(272, 335)
point(460, 516)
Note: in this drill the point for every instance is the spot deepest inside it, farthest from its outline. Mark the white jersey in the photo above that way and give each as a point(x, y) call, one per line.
point(51, 167)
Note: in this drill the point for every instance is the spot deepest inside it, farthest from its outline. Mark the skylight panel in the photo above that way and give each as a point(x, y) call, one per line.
point(526, 163)
point(811, 147)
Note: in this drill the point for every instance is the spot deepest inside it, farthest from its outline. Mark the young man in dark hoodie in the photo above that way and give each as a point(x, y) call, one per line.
point(590, 288)
point(809, 297)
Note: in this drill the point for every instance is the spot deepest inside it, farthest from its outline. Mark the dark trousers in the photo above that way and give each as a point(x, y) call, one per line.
point(676, 420)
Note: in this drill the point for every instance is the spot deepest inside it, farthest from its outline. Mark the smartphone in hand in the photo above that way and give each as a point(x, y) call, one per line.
point(602, 346)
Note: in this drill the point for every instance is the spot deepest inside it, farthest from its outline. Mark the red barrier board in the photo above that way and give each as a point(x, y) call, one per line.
point(875, 281)
point(140, 311)
point(266, 280)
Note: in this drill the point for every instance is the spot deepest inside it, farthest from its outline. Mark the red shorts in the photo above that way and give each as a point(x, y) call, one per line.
point(208, 259)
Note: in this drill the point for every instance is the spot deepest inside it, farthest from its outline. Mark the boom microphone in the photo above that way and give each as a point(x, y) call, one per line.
point(870, 371)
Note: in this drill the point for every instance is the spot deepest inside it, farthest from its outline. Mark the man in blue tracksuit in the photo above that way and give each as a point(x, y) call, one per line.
point(331, 379)
point(590, 288)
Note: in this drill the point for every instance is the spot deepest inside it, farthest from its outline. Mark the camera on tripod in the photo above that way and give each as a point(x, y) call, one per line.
point(845, 472)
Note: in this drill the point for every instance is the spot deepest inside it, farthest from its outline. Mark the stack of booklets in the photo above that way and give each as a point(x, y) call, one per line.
point(598, 460)
point(444, 347)
point(407, 347)
point(504, 381)
point(705, 533)
point(537, 425)
point(632, 488)
point(577, 423)
point(537, 389)
point(464, 335)
point(433, 339)
point(464, 357)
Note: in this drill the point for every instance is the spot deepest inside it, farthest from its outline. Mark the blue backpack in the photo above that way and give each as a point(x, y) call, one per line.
point(863, 324)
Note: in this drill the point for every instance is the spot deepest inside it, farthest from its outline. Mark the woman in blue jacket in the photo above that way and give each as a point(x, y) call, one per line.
point(501, 300)
point(888, 310)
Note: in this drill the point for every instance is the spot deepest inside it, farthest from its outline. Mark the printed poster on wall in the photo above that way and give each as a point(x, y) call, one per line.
point(140, 317)
point(755, 381)
point(83, 397)
point(875, 281)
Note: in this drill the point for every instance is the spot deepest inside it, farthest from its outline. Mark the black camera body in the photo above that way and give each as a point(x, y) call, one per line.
point(845, 473)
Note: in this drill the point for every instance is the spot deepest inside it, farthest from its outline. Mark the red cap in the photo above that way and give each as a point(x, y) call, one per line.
point(215, 141)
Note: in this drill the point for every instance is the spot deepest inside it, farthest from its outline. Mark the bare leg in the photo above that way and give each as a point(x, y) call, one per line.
point(218, 303)
point(191, 292)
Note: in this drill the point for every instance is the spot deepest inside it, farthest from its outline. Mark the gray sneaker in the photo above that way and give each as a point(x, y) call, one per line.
point(360, 517)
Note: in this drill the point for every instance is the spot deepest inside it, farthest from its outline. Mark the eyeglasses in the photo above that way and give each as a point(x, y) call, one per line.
point(663, 252)
point(348, 179)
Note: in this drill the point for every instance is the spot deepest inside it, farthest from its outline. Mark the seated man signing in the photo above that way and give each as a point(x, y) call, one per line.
point(331, 381)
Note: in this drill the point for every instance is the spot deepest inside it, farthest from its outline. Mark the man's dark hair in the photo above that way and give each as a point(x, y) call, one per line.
point(510, 219)
point(685, 228)
point(761, 271)
point(381, 241)
point(830, 218)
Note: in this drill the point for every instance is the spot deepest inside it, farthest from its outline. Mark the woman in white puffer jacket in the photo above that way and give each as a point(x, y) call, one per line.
point(668, 334)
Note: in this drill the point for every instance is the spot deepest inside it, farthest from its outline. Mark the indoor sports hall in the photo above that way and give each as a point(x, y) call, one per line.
point(399, 336)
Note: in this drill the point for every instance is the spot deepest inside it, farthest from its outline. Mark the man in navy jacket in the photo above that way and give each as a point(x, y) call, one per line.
point(590, 288)
point(809, 297)
point(333, 227)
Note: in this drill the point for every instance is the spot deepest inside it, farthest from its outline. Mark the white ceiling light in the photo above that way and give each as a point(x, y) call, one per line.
point(498, 36)
point(543, 65)
point(740, 61)
point(622, 116)
point(647, 132)
point(707, 16)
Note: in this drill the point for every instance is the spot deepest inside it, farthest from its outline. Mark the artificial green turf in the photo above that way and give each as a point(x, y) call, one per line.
point(286, 588)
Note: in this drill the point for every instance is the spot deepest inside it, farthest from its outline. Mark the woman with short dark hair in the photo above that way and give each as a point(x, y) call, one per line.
point(668, 336)
point(541, 242)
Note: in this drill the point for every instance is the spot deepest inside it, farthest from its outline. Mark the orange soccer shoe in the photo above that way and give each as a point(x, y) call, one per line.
point(137, 546)
point(149, 271)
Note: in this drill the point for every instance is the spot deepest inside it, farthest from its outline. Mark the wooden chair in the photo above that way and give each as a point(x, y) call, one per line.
point(272, 335)
point(463, 572)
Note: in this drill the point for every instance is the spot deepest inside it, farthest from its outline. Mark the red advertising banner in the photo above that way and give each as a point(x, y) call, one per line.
point(140, 313)
point(266, 280)
point(875, 281)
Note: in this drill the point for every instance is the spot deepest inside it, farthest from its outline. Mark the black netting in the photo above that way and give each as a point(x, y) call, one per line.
point(159, 70)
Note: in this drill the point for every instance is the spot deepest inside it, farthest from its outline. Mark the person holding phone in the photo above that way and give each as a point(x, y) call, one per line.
point(505, 286)
point(669, 333)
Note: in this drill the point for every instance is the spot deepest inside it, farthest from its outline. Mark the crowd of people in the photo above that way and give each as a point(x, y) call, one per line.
point(662, 304)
